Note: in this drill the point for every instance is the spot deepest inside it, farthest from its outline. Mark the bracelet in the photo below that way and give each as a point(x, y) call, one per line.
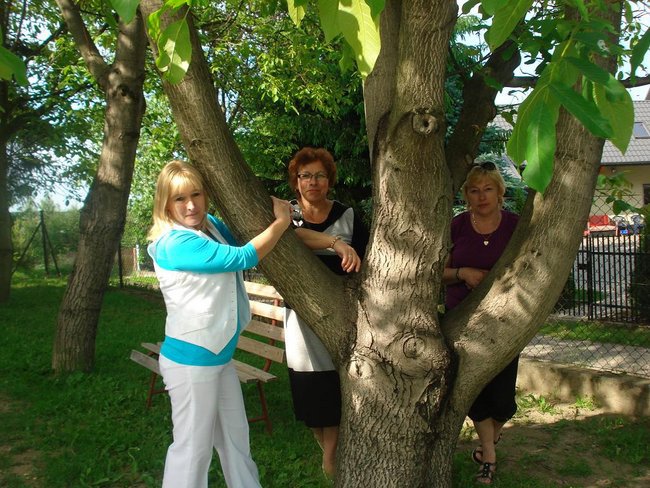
point(458, 275)
point(334, 241)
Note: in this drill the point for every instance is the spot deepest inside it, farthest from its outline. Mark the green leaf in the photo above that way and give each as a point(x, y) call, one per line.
point(153, 23)
point(126, 9)
point(505, 20)
point(580, 6)
point(12, 65)
point(615, 90)
point(328, 11)
point(620, 115)
point(376, 7)
point(540, 151)
point(469, 5)
point(361, 31)
point(589, 70)
point(518, 141)
point(587, 113)
point(491, 6)
point(622, 206)
point(560, 72)
point(639, 51)
point(175, 51)
point(533, 139)
point(296, 10)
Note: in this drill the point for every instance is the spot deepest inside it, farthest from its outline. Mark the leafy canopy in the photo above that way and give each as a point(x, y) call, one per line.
point(566, 48)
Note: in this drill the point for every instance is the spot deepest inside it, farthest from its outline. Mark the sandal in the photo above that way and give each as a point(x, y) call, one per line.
point(485, 475)
point(477, 452)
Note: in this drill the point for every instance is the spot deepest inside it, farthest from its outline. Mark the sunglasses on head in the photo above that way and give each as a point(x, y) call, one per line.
point(487, 166)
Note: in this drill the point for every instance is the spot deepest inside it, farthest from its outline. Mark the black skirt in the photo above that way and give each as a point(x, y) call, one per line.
point(316, 397)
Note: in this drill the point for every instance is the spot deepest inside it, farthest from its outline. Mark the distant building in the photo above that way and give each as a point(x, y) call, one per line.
point(634, 164)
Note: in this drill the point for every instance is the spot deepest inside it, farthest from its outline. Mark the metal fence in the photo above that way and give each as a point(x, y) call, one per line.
point(602, 319)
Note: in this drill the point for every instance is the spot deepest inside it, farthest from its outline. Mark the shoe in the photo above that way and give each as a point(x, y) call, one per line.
point(477, 453)
point(485, 475)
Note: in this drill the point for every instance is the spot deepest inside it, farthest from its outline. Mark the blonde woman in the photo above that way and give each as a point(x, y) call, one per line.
point(199, 264)
point(479, 237)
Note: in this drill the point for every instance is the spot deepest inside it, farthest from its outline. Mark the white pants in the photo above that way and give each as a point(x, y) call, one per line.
point(207, 412)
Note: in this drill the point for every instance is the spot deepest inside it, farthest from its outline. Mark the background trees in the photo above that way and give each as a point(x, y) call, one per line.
point(46, 127)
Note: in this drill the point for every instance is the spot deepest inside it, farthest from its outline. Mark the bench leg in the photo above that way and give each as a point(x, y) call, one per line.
point(152, 388)
point(265, 412)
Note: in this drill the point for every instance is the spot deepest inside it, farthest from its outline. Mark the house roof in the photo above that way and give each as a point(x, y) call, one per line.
point(638, 150)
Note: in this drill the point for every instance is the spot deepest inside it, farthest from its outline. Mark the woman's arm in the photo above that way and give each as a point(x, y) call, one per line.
point(314, 240)
point(472, 277)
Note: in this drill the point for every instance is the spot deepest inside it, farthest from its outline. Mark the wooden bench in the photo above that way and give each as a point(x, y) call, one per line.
point(259, 338)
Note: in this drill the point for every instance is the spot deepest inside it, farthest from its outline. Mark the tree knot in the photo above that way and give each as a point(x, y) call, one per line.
point(423, 122)
point(413, 347)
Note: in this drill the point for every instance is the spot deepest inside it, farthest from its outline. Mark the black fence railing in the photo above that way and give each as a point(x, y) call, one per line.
point(604, 276)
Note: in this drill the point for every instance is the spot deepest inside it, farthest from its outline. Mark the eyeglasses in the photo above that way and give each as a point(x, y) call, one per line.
point(308, 176)
point(487, 166)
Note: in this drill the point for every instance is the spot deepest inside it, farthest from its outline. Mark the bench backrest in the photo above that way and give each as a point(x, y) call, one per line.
point(267, 323)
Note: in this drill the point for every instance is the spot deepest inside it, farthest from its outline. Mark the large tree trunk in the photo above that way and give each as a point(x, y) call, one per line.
point(407, 377)
point(104, 212)
point(6, 244)
point(401, 368)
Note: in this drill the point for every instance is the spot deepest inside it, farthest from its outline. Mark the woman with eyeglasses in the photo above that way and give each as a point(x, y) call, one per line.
point(338, 237)
point(479, 237)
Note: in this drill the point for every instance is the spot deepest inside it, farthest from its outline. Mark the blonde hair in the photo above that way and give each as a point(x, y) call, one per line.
point(174, 176)
point(485, 170)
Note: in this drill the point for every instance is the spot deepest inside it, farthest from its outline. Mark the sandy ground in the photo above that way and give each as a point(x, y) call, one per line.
point(558, 447)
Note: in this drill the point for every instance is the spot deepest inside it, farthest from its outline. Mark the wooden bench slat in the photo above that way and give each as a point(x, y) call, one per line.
point(258, 348)
point(267, 310)
point(266, 330)
point(260, 290)
point(150, 346)
point(247, 371)
point(145, 360)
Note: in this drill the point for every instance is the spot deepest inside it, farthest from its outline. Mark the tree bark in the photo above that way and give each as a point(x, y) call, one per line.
point(6, 243)
point(401, 369)
point(104, 211)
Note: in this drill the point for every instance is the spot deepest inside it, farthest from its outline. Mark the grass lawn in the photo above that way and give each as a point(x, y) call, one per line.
point(83, 430)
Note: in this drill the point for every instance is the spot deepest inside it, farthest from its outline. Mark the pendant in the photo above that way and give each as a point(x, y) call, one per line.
point(485, 243)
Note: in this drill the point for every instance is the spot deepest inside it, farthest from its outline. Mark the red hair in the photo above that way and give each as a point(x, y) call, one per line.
point(309, 155)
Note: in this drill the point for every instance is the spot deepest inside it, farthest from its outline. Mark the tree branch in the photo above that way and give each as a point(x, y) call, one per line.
point(478, 110)
point(87, 48)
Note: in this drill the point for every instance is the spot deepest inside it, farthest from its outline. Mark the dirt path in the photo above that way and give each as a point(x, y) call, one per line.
point(563, 448)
